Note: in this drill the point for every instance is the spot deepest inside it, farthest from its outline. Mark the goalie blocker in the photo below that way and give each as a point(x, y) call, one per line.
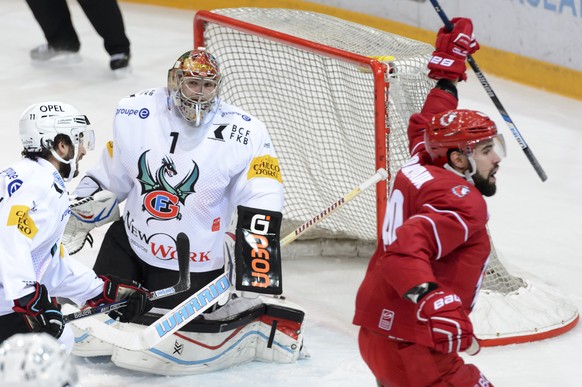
point(257, 251)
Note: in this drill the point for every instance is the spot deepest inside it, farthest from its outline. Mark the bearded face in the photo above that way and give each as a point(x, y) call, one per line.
point(65, 169)
point(485, 185)
point(487, 156)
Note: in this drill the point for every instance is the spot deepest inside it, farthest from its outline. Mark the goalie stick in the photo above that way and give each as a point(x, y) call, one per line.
point(526, 149)
point(380, 175)
point(183, 284)
point(206, 297)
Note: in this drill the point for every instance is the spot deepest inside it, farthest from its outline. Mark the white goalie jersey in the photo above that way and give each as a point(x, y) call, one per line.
point(178, 178)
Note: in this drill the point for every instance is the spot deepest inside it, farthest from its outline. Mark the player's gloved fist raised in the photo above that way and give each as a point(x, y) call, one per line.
point(118, 289)
point(460, 41)
point(40, 312)
point(449, 325)
point(451, 50)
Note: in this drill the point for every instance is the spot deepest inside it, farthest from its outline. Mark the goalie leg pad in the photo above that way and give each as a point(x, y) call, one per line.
point(257, 251)
point(275, 335)
point(281, 341)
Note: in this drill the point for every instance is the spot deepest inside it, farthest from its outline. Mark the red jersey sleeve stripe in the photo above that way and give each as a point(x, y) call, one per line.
point(436, 234)
point(457, 216)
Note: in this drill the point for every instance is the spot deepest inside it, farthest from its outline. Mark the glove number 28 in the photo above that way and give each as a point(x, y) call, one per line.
point(442, 61)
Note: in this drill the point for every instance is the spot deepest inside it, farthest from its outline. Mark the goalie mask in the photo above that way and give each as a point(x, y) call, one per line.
point(35, 359)
point(42, 122)
point(461, 130)
point(194, 84)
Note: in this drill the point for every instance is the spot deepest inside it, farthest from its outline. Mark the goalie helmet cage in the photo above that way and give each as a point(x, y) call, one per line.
point(336, 97)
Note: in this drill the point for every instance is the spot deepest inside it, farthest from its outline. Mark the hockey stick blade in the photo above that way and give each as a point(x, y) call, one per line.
point(183, 284)
point(526, 149)
point(166, 325)
point(380, 175)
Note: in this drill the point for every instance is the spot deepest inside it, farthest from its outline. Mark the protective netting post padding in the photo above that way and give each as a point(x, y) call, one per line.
point(320, 112)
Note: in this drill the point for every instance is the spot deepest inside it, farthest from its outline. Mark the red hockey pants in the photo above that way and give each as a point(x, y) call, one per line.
point(399, 364)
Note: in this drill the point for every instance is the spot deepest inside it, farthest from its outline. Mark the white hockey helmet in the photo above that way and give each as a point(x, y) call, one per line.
point(35, 359)
point(194, 84)
point(42, 122)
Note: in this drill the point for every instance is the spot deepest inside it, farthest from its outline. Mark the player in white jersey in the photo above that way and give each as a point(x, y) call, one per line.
point(183, 160)
point(34, 209)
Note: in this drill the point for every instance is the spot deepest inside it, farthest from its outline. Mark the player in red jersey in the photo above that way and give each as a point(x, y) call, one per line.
point(413, 305)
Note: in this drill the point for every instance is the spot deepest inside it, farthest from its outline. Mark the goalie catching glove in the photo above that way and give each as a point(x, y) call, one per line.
point(86, 214)
point(451, 50)
point(117, 289)
point(449, 325)
point(41, 313)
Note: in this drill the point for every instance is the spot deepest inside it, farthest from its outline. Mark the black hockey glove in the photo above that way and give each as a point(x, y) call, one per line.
point(41, 313)
point(118, 289)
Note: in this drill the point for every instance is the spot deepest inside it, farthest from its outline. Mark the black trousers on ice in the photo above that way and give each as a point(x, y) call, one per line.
point(117, 257)
point(54, 18)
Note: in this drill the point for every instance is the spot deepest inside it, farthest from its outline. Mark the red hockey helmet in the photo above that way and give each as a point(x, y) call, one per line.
point(458, 129)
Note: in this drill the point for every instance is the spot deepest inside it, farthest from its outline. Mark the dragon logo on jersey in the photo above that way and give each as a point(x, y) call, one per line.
point(161, 199)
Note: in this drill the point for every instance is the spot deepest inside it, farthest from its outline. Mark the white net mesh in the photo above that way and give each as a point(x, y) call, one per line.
point(320, 112)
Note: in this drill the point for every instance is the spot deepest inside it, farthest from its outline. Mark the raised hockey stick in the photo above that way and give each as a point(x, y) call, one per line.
point(183, 284)
point(526, 149)
point(206, 297)
point(380, 175)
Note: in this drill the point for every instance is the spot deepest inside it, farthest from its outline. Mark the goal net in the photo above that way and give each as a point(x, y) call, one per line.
point(336, 97)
